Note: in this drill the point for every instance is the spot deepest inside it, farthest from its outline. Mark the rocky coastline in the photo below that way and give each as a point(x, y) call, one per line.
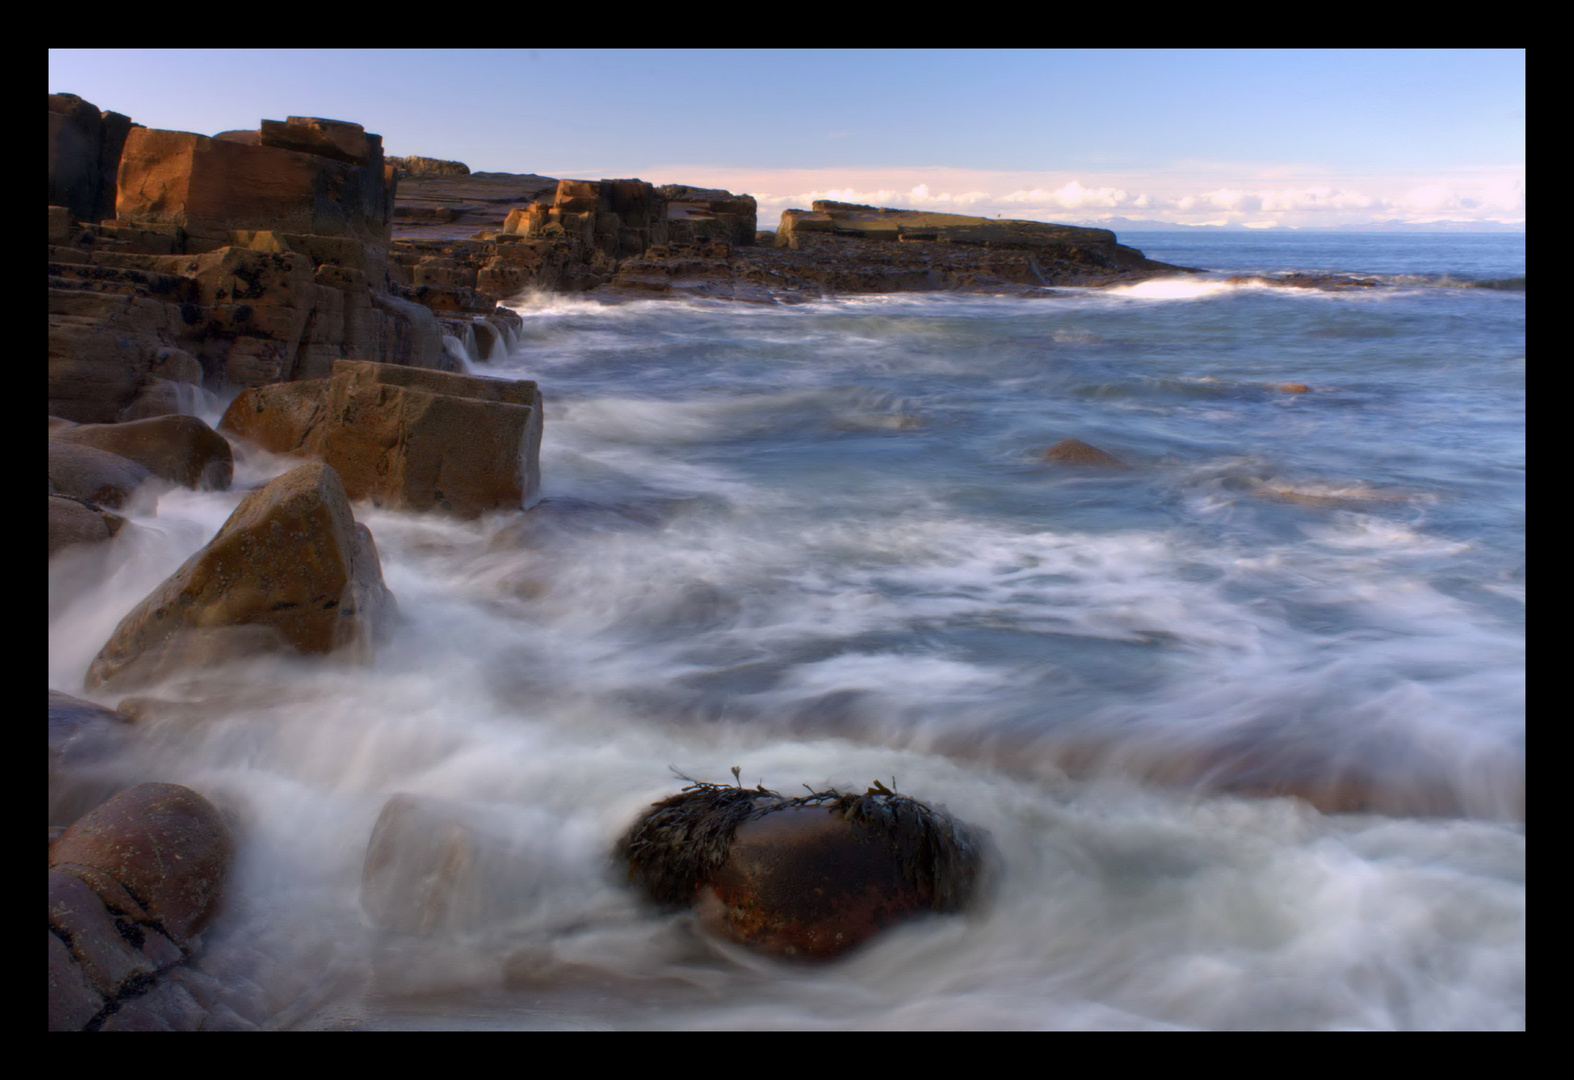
point(340, 297)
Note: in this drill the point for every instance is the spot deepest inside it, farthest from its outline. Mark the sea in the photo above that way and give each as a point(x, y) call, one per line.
point(1243, 721)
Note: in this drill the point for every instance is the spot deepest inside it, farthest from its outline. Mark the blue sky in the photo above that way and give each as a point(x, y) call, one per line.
point(1257, 138)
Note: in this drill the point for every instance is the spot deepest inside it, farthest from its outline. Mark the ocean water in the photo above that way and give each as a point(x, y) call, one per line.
point(1244, 721)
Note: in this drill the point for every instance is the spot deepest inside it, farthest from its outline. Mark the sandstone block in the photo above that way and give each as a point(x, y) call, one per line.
point(406, 437)
point(290, 569)
point(209, 184)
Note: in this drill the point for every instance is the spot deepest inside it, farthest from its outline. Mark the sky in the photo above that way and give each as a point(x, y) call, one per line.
point(1239, 138)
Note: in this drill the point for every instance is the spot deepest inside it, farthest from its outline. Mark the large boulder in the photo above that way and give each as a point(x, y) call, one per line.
point(181, 449)
point(129, 883)
point(290, 569)
point(809, 877)
point(406, 437)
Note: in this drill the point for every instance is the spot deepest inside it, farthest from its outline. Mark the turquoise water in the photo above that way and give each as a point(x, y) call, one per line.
point(821, 542)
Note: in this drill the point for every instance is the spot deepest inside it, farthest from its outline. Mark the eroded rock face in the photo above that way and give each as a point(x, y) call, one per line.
point(810, 877)
point(238, 260)
point(129, 883)
point(290, 569)
point(404, 436)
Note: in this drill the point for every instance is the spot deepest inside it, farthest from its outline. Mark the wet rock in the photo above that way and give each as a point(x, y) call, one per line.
point(438, 865)
point(1077, 452)
point(164, 844)
point(290, 569)
point(84, 741)
point(129, 883)
point(809, 877)
point(406, 437)
point(78, 521)
point(91, 474)
point(181, 449)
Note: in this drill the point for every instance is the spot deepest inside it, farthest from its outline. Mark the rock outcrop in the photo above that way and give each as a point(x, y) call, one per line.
point(809, 877)
point(404, 437)
point(231, 261)
point(847, 248)
point(130, 883)
point(290, 570)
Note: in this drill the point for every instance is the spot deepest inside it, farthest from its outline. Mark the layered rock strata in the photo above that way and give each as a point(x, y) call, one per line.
point(404, 437)
point(848, 248)
point(289, 570)
point(557, 236)
point(237, 260)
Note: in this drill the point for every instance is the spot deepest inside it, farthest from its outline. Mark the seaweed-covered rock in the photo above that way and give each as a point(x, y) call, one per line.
point(807, 877)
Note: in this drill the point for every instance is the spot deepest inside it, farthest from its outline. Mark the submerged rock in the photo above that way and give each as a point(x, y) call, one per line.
point(807, 877)
point(1077, 452)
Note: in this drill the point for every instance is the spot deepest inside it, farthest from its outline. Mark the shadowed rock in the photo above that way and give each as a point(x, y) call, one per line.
point(181, 449)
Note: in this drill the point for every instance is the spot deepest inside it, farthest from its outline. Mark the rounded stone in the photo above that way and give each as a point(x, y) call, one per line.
point(805, 881)
point(165, 844)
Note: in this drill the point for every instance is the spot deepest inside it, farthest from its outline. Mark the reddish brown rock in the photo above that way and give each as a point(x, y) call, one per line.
point(810, 877)
point(164, 844)
point(1077, 452)
point(208, 184)
point(181, 449)
point(405, 436)
point(290, 569)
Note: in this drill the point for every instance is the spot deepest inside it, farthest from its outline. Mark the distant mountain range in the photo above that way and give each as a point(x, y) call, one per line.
point(1120, 224)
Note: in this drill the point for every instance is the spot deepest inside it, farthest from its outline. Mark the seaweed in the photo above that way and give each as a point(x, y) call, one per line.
point(684, 839)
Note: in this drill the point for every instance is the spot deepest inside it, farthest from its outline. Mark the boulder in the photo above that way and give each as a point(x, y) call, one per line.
point(406, 437)
point(91, 474)
point(79, 521)
point(129, 883)
point(181, 449)
point(165, 845)
point(290, 569)
point(809, 877)
point(1077, 452)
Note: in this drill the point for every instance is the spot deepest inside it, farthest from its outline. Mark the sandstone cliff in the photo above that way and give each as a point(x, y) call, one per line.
point(236, 260)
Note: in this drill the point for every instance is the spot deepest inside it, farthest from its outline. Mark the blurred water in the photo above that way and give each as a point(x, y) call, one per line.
point(820, 542)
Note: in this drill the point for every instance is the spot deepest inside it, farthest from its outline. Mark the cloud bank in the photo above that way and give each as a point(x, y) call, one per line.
point(1267, 198)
